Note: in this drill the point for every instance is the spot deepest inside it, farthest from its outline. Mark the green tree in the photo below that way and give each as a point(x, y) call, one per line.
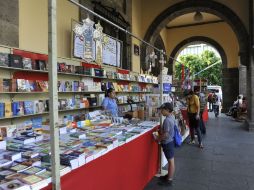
point(197, 63)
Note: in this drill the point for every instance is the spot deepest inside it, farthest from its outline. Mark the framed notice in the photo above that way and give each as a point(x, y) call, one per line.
point(111, 50)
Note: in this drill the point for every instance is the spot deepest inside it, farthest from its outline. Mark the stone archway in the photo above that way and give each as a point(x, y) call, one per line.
point(230, 77)
point(207, 6)
point(207, 40)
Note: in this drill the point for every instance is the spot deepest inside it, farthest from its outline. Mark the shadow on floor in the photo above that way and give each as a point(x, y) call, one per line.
point(226, 162)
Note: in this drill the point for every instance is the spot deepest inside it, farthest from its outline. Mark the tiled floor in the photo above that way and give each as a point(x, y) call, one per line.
point(226, 162)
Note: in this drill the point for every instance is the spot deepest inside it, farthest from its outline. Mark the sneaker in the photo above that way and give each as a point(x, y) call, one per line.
point(163, 177)
point(192, 142)
point(201, 146)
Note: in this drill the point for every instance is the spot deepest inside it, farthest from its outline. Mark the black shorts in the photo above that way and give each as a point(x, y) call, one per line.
point(168, 150)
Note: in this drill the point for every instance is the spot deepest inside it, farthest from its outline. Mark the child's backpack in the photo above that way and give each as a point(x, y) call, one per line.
point(177, 137)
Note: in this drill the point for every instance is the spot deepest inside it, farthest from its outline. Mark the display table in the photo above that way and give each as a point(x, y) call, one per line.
point(128, 167)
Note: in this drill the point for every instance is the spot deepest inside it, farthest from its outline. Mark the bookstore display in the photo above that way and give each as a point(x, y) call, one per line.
point(84, 136)
point(25, 157)
point(88, 135)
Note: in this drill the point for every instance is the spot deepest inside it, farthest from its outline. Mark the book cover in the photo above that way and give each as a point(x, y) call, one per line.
point(27, 63)
point(70, 104)
point(67, 86)
point(79, 69)
point(19, 168)
point(15, 176)
point(75, 86)
point(23, 139)
point(28, 107)
point(68, 68)
point(11, 155)
point(8, 130)
point(43, 85)
point(29, 154)
point(5, 173)
point(68, 160)
point(15, 108)
point(45, 175)
point(32, 162)
point(40, 65)
point(33, 87)
point(79, 135)
point(15, 61)
point(81, 86)
point(34, 170)
point(8, 110)
point(4, 59)
point(36, 106)
point(6, 85)
point(21, 108)
point(2, 110)
point(5, 162)
point(27, 86)
point(14, 184)
point(62, 67)
point(32, 179)
point(41, 106)
point(21, 85)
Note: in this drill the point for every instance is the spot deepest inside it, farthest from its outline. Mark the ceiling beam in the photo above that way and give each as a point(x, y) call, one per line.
point(194, 24)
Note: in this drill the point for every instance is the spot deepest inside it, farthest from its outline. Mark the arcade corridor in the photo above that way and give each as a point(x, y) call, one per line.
point(226, 162)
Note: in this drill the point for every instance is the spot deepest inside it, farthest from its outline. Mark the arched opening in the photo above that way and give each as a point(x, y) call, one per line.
point(230, 82)
point(230, 75)
point(209, 6)
point(203, 60)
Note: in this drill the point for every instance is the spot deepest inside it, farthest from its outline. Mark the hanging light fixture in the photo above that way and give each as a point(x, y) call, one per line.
point(198, 16)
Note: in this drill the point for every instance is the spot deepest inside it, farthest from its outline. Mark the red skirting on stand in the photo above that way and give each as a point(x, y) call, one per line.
point(128, 167)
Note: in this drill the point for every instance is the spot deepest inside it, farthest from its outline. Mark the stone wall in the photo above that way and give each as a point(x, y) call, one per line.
point(9, 23)
point(230, 84)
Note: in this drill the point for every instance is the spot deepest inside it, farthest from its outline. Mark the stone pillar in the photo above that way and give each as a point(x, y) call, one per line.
point(230, 83)
point(250, 92)
point(243, 80)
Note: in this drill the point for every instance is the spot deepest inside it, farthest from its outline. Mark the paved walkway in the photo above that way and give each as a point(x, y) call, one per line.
point(226, 162)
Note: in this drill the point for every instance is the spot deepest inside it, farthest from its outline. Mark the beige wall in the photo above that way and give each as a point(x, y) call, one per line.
point(137, 30)
point(151, 9)
point(33, 25)
point(241, 8)
point(164, 36)
point(220, 32)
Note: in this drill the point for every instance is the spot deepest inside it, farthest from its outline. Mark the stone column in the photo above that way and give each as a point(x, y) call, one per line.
point(230, 83)
point(250, 71)
point(242, 80)
point(250, 92)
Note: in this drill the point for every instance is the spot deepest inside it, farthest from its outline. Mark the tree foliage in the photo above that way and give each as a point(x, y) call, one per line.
point(197, 63)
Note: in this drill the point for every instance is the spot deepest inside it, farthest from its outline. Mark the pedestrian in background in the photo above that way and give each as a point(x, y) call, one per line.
point(193, 115)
